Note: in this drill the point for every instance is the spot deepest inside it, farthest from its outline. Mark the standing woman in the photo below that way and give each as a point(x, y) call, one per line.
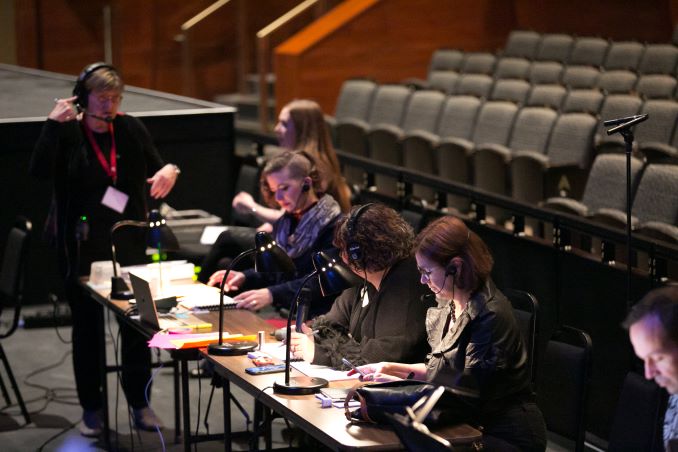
point(102, 162)
point(474, 337)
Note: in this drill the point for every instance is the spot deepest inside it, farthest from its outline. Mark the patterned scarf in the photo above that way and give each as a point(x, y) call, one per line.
point(310, 225)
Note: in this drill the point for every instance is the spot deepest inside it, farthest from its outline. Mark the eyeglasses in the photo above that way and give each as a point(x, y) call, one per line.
point(426, 274)
point(114, 99)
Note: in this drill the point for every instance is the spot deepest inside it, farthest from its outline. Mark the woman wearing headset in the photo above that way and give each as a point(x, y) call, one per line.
point(103, 164)
point(291, 181)
point(475, 340)
point(383, 319)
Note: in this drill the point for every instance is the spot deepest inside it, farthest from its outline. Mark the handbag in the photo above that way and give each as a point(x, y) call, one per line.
point(378, 399)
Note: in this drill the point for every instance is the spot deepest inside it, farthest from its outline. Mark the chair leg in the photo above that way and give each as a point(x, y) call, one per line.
point(12, 381)
point(5, 394)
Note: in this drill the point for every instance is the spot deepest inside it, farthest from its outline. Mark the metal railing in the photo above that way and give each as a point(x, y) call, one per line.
point(184, 37)
point(264, 39)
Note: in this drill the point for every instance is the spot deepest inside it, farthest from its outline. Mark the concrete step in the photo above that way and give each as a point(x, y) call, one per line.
point(247, 105)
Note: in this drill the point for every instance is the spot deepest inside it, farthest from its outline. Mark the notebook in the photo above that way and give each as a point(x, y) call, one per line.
point(148, 312)
point(198, 297)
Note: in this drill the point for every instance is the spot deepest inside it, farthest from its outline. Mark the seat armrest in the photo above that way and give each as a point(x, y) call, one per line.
point(422, 135)
point(494, 148)
point(614, 218)
point(659, 230)
point(387, 129)
point(566, 205)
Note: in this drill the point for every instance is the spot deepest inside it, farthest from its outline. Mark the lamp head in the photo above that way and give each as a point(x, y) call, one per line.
point(333, 275)
point(269, 257)
point(160, 235)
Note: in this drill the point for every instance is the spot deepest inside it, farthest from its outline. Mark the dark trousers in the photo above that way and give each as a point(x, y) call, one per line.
point(135, 354)
point(521, 425)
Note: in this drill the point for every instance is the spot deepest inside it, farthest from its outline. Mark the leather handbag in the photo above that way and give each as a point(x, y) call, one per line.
point(378, 399)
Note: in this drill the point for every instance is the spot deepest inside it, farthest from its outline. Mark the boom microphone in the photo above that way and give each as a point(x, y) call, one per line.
point(614, 122)
point(107, 119)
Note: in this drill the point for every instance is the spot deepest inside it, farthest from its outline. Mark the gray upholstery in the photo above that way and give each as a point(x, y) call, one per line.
point(478, 63)
point(510, 89)
point(535, 176)
point(588, 51)
point(478, 85)
point(446, 60)
point(512, 67)
point(606, 185)
point(656, 86)
point(657, 195)
point(619, 81)
point(624, 55)
point(354, 100)
point(445, 81)
point(458, 116)
point(580, 77)
point(546, 96)
point(615, 106)
point(663, 115)
point(388, 105)
point(522, 44)
point(583, 100)
point(545, 72)
point(555, 47)
point(659, 59)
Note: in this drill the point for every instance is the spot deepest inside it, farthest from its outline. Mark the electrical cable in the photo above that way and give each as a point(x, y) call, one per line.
point(148, 398)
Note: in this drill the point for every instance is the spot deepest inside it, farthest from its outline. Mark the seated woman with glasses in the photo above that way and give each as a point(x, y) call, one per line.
point(291, 181)
point(475, 340)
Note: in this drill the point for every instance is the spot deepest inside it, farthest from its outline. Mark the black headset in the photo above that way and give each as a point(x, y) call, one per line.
point(451, 269)
point(355, 253)
point(80, 89)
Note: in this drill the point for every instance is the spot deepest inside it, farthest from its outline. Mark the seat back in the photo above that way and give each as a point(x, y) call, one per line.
point(388, 105)
point(624, 55)
point(580, 77)
point(637, 421)
point(494, 122)
point(478, 63)
point(583, 101)
point(459, 116)
point(512, 67)
point(571, 141)
point(546, 72)
point(555, 47)
point(617, 106)
point(659, 59)
point(563, 383)
point(522, 44)
point(513, 90)
point(354, 99)
point(664, 115)
point(423, 111)
point(445, 81)
point(13, 269)
point(446, 60)
point(657, 195)
point(546, 96)
point(526, 311)
point(656, 86)
point(532, 129)
point(619, 81)
point(606, 185)
point(478, 85)
point(589, 51)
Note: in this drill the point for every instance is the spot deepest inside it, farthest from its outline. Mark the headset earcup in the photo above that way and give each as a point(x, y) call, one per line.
point(305, 187)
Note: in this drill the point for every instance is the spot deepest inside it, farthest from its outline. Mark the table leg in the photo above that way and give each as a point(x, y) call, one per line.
point(177, 403)
point(226, 395)
point(186, 405)
point(103, 370)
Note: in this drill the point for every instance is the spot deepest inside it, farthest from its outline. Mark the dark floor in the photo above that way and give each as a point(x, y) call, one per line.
point(41, 362)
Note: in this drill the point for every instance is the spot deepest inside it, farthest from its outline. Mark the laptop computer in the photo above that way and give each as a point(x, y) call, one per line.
point(148, 313)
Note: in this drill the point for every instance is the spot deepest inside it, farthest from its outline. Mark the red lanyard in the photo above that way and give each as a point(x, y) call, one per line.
point(111, 169)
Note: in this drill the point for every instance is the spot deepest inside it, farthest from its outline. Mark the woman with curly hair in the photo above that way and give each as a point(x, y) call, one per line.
point(384, 318)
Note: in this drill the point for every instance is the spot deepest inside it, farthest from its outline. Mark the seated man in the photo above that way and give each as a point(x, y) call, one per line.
point(653, 330)
point(384, 318)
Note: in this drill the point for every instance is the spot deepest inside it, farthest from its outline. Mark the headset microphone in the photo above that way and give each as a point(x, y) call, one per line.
point(107, 119)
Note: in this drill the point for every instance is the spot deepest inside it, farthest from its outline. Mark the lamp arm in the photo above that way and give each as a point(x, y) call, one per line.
point(295, 302)
point(114, 228)
point(238, 258)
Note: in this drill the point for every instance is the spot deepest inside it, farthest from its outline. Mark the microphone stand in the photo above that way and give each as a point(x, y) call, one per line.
point(623, 126)
point(301, 385)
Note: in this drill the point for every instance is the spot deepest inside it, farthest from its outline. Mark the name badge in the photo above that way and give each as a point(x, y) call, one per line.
point(115, 199)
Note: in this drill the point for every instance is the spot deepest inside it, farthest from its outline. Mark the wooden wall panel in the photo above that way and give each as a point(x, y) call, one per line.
point(643, 20)
point(384, 40)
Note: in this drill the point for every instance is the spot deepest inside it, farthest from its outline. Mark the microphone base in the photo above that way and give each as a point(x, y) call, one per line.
point(119, 289)
point(231, 348)
point(300, 386)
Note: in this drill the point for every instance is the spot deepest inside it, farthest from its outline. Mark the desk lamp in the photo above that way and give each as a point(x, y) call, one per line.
point(333, 277)
point(268, 258)
point(159, 236)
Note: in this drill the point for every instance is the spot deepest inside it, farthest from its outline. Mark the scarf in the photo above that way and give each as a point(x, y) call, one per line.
point(309, 227)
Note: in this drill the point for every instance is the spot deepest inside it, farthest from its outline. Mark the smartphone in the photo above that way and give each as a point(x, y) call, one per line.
point(350, 364)
point(262, 370)
point(261, 361)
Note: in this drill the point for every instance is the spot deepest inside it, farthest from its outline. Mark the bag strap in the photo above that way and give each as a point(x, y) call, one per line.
point(352, 393)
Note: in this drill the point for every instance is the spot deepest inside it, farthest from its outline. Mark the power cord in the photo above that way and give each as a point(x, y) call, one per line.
point(55, 302)
point(148, 401)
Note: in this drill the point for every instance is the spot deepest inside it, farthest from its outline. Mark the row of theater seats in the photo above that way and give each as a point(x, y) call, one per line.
point(522, 150)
